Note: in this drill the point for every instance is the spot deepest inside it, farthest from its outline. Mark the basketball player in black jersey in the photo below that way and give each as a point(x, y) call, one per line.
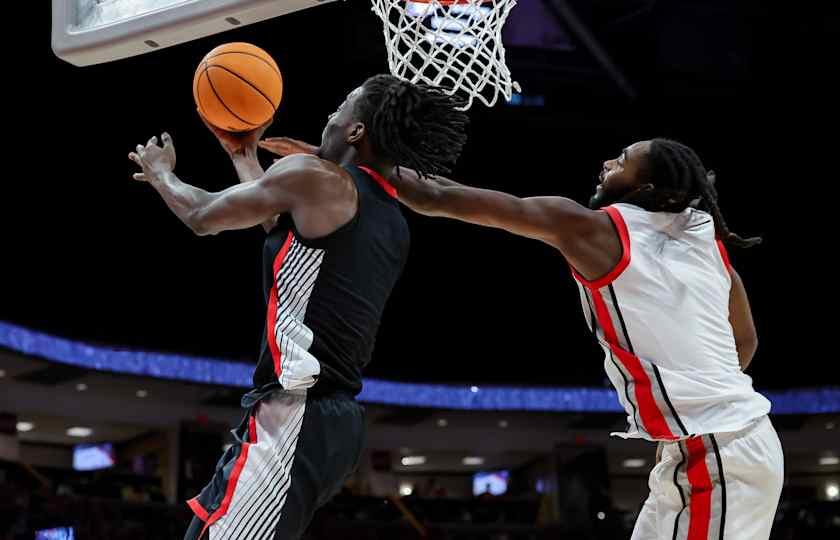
point(336, 244)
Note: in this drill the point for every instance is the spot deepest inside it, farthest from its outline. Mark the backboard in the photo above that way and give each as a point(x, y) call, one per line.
point(87, 32)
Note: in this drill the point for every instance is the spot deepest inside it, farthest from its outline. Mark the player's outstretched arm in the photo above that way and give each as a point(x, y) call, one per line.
point(555, 220)
point(290, 182)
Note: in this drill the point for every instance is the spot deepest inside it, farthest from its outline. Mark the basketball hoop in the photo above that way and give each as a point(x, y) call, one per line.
point(453, 44)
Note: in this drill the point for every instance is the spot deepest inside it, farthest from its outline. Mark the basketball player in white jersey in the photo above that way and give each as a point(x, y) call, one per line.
point(673, 318)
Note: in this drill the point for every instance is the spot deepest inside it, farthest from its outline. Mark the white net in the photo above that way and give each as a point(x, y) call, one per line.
point(453, 44)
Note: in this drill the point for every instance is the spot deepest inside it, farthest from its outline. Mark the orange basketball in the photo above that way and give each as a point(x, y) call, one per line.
point(238, 87)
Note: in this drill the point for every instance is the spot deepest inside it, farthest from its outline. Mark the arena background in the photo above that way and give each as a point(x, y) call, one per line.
point(96, 271)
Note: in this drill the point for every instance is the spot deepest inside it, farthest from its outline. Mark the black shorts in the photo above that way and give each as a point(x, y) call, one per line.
point(293, 454)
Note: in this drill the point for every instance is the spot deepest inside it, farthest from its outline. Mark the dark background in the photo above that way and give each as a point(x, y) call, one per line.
point(88, 253)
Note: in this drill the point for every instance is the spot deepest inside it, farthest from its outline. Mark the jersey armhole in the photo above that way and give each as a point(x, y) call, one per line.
point(624, 236)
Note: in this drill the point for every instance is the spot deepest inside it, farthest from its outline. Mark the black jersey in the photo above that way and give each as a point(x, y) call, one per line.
point(325, 297)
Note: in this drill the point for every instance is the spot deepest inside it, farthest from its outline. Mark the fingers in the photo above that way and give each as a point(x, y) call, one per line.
point(167, 140)
point(152, 141)
point(140, 149)
point(275, 146)
point(140, 177)
point(135, 158)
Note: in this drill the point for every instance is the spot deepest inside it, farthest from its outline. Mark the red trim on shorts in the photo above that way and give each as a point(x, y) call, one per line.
point(700, 505)
point(724, 254)
point(271, 318)
point(623, 263)
point(386, 185)
point(252, 430)
point(234, 475)
point(197, 509)
point(651, 416)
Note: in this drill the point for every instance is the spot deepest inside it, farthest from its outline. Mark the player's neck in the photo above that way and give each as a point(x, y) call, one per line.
point(366, 158)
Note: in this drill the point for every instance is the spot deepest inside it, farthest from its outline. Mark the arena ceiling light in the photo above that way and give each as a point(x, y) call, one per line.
point(633, 463)
point(87, 32)
point(830, 460)
point(473, 460)
point(25, 426)
point(410, 461)
point(79, 431)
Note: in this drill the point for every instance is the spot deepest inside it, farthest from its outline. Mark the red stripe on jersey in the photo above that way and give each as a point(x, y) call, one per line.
point(271, 319)
point(386, 185)
point(651, 415)
point(623, 263)
point(724, 255)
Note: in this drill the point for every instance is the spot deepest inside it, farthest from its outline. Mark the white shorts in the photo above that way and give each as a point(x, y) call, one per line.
point(715, 487)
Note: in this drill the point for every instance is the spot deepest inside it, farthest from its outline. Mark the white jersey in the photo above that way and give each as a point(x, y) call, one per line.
point(662, 317)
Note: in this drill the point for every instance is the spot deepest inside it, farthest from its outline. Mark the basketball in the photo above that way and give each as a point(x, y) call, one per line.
point(237, 87)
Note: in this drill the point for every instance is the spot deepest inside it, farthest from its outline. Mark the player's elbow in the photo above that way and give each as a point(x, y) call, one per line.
point(198, 223)
point(750, 344)
point(747, 338)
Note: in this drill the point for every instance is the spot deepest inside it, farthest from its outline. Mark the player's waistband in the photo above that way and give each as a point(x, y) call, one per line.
point(724, 437)
point(265, 393)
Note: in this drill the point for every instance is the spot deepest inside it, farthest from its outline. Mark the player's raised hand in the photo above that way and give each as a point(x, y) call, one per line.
point(286, 146)
point(244, 143)
point(154, 160)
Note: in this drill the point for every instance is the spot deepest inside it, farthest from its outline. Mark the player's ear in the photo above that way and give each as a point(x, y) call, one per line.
point(355, 133)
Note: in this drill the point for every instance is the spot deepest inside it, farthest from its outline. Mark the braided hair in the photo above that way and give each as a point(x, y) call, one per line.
point(413, 125)
point(680, 180)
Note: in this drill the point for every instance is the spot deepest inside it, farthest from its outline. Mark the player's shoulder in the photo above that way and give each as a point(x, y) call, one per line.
point(306, 168)
point(311, 178)
point(303, 163)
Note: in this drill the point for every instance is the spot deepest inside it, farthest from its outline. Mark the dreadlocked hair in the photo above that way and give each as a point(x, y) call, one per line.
point(413, 125)
point(680, 180)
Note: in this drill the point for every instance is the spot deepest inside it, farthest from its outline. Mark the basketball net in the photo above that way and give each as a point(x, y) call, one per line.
point(452, 44)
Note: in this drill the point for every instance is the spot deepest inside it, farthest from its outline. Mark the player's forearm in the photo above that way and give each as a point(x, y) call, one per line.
point(184, 200)
point(423, 195)
point(746, 352)
point(248, 169)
